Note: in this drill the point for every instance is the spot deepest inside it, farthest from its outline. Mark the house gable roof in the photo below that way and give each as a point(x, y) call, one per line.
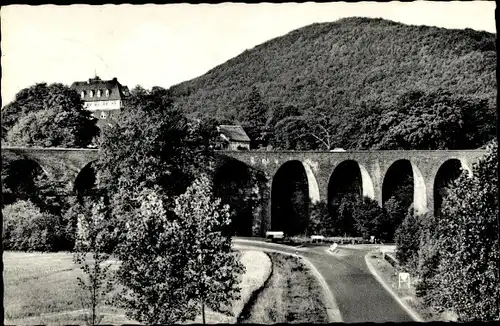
point(116, 90)
point(234, 133)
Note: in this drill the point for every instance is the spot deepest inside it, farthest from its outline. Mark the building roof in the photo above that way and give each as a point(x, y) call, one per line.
point(234, 133)
point(116, 90)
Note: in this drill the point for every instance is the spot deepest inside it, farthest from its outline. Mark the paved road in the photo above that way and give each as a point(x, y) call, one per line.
point(359, 296)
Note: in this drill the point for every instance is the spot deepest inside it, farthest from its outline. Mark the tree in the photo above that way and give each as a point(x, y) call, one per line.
point(212, 258)
point(149, 156)
point(253, 117)
point(291, 134)
point(428, 258)
point(344, 208)
point(172, 264)
point(23, 179)
point(281, 112)
point(395, 212)
point(90, 253)
point(48, 116)
point(298, 212)
point(27, 100)
point(238, 186)
point(322, 126)
point(408, 240)
point(151, 143)
point(26, 228)
point(138, 90)
point(205, 128)
point(355, 215)
point(467, 240)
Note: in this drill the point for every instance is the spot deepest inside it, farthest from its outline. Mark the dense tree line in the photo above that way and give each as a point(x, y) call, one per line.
point(415, 120)
point(455, 255)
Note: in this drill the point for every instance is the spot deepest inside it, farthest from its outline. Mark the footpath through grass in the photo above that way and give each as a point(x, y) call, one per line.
point(389, 275)
point(41, 288)
point(292, 294)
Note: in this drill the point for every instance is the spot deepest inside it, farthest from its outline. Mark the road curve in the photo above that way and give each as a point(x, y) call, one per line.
point(359, 296)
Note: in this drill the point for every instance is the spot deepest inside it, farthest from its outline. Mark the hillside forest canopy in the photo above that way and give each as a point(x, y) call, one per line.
point(357, 83)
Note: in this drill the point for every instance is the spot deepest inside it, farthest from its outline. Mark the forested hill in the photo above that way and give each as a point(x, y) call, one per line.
point(346, 65)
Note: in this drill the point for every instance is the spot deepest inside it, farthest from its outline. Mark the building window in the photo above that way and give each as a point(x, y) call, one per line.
point(99, 93)
point(103, 115)
point(83, 94)
point(107, 93)
point(91, 93)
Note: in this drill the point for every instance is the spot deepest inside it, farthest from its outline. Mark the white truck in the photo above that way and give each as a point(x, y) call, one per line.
point(273, 235)
point(317, 238)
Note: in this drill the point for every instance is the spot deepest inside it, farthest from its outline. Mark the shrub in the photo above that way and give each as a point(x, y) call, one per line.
point(369, 218)
point(395, 214)
point(427, 266)
point(319, 220)
point(26, 228)
point(407, 238)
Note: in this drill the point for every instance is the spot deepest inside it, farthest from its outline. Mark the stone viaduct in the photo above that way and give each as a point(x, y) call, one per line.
point(321, 168)
point(59, 164)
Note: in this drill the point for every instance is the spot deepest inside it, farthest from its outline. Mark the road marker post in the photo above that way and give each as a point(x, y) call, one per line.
point(403, 278)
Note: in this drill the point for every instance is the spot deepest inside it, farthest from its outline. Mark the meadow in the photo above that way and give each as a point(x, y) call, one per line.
point(41, 288)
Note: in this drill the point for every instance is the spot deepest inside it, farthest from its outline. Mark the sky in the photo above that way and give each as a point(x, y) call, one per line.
point(163, 45)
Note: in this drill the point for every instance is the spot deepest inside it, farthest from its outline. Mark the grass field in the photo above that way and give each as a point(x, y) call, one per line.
point(41, 288)
point(291, 295)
